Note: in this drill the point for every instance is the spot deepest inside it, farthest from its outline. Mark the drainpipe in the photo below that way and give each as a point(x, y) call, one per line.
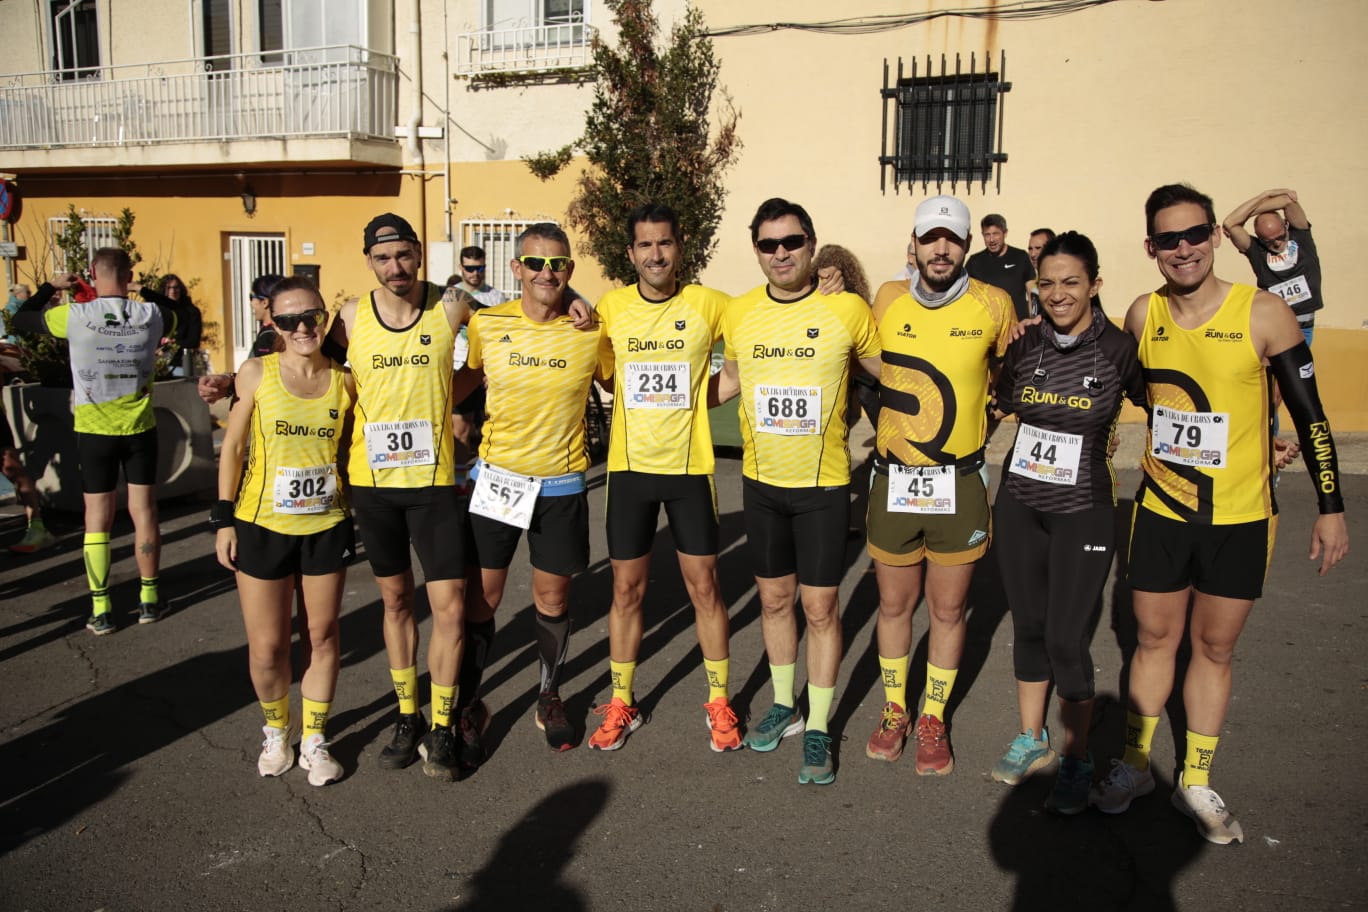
point(415, 145)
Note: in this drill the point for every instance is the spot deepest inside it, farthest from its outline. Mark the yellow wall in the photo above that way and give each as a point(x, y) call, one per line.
point(1234, 96)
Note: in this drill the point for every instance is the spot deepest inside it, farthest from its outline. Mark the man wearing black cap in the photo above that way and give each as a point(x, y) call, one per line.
point(399, 340)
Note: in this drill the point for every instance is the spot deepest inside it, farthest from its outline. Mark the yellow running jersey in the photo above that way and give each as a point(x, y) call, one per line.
point(290, 483)
point(1208, 453)
point(402, 433)
point(537, 376)
point(794, 363)
point(662, 354)
point(935, 372)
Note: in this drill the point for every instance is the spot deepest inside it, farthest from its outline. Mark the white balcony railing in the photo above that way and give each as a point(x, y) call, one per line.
point(342, 90)
point(525, 49)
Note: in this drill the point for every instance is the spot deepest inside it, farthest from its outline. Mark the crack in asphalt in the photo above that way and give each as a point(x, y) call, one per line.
point(343, 845)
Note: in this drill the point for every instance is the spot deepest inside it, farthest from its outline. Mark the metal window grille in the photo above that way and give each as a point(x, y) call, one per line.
point(99, 232)
point(947, 125)
point(499, 239)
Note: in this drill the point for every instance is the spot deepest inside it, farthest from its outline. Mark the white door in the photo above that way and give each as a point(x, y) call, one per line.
point(249, 256)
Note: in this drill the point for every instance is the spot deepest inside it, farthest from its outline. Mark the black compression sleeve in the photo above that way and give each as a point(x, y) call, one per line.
point(1296, 375)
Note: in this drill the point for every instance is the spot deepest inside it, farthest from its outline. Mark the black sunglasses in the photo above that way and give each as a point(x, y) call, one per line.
point(537, 264)
point(469, 268)
point(790, 243)
point(291, 322)
point(1169, 240)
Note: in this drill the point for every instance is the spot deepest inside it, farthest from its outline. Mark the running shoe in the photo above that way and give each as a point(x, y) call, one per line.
point(1070, 793)
point(314, 757)
point(619, 721)
point(933, 747)
point(36, 538)
point(101, 624)
point(816, 768)
point(438, 750)
point(1209, 812)
point(551, 719)
point(723, 726)
point(888, 739)
point(403, 747)
point(1025, 756)
point(149, 612)
point(277, 755)
point(1123, 785)
point(780, 722)
point(474, 723)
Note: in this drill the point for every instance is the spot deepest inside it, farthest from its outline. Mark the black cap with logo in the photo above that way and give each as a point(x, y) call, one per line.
point(385, 228)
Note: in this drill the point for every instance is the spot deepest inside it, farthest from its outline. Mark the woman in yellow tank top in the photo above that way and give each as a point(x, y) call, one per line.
point(281, 518)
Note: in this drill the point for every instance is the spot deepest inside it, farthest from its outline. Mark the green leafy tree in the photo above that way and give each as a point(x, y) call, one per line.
point(648, 138)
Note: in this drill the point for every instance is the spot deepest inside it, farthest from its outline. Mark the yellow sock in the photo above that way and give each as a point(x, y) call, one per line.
point(315, 717)
point(819, 707)
point(96, 551)
point(443, 699)
point(277, 712)
point(1197, 766)
point(895, 679)
point(782, 678)
point(939, 682)
point(147, 592)
point(717, 670)
point(622, 674)
point(406, 688)
point(1139, 735)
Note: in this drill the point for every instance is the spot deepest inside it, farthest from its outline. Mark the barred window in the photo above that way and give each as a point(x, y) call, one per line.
point(99, 232)
point(947, 125)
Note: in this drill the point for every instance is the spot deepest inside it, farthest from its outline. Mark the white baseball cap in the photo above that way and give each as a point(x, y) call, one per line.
point(942, 212)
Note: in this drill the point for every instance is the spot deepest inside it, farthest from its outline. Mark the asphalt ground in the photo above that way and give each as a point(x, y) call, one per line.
point(127, 775)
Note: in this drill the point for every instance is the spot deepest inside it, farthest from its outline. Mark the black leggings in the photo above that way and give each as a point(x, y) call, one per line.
point(1054, 566)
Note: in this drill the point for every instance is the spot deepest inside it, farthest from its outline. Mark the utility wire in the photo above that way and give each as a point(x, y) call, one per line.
point(868, 25)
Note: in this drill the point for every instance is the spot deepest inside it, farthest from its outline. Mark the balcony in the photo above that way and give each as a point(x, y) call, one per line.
point(549, 50)
point(317, 104)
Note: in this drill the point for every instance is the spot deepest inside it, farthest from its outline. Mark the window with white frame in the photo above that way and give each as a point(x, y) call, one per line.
point(75, 29)
point(499, 239)
point(555, 22)
point(99, 232)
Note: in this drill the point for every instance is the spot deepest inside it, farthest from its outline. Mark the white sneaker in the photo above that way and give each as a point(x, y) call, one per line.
point(1205, 807)
point(314, 757)
point(277, 755)
point(1123, 784)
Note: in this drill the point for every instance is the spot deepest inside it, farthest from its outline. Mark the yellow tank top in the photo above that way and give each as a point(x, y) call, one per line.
point(402, 433)
point(935, 372)
point(290, 484)
point(1209, 454)
point(793, 358)
point(538, 377)
point(662, 352)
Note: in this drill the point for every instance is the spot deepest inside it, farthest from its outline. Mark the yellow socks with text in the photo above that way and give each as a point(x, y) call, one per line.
point(819, 707)
point(147, 592)
point(1139, 735)
point(894, 673)
point(1197, 766)
point(781, 676)
point(443, 700)
point(96, 550)
point(622, 674)
point(315, 717)
point(939, 682)
point(716, 670)
point(406, 688)
point(277, 712)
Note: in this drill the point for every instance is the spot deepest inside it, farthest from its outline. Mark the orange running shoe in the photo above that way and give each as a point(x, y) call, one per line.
point(619, 721)
point(933, 748)
point(722, 722)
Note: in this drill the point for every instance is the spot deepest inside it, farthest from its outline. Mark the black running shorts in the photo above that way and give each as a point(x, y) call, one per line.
point(557, 541)
point(101, 456)
point(271, 555)
point(633, 505)
point(433, 519)
point(797, 530)
point(1228, 561)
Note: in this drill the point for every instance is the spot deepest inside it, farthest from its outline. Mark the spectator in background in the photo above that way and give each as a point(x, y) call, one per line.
point(18, 294)
point(188, 329)
point(1001, 266)
point(1039, 238)
point(213, 387)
